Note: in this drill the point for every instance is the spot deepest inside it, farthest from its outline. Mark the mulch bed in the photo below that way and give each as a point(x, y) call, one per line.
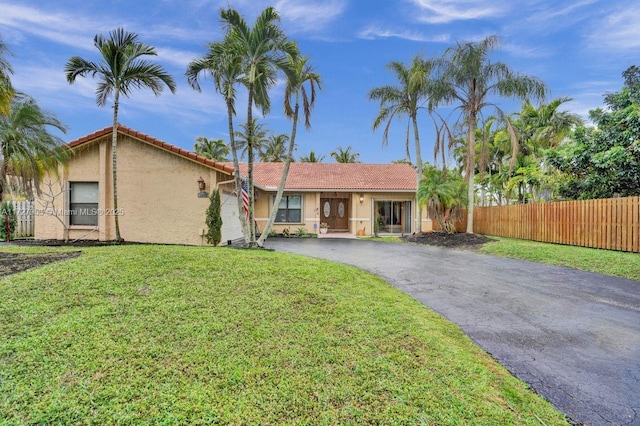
point(11, 263)
point(442, 239)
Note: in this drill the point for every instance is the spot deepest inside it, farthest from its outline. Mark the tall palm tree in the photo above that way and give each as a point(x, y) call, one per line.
point(311, 158)
point(225, 68)
point(275, 149)
point(300, 76)
point(121, 69)
point(213, 149)
point(405, 99)
point(262, 49)
point(29, 150)
point(344, 155)
point(467, 76)
point(6, 89)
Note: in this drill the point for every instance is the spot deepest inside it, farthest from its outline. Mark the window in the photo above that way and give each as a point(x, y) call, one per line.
point(290, 209)
point(83, 203)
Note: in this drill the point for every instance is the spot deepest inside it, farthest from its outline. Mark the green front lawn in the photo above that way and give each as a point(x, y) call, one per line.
point(608, 262)
point(189, 335)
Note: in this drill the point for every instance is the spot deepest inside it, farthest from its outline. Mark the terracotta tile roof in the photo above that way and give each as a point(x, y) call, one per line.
point(335, 176)
point(226, 167)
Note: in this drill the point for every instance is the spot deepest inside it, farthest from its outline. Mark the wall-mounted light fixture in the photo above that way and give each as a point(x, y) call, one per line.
point(201, 186)
point(361, 198)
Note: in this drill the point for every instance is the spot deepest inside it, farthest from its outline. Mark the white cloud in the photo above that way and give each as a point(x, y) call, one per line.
point(523, 51)
point(180, 58)
point(445, 11)
point(547, 17)
point(618, 30)
point(373, 32)
point(51, 25)
point(310, 15)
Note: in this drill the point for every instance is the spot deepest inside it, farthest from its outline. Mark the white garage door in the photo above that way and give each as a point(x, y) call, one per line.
point(231, 228)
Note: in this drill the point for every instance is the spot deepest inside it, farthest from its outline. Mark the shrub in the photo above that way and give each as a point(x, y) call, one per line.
point(301, 232)
point(214, 220)
point(6, 210)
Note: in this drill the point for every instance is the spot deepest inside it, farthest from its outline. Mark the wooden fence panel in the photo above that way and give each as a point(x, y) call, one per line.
point(25, 218)
point(612, 224)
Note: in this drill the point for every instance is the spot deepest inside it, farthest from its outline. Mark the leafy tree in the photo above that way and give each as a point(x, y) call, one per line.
point(405, 99)
point(604, 161)
point(444, 195)
point(344, 155)
point(121, 69)
point(213, 149)
point(311, 158)
point(29, 150)
point(467, 77)
point(262, 49)
point(300, 76)
point(214, 219)
point(225, 67)
point(6, 89)
point(274, 150)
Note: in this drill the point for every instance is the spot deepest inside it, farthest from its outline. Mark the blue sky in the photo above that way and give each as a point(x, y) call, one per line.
point(578, 48)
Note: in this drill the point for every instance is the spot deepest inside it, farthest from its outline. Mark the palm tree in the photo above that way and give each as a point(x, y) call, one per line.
point(255, 135)
point(344, 155)
point(29, 150)
point(121, 70)
point(546, 127)
point(6, 89)
point(213, 149)
point(300, 76)
point(406, 99)
point(311, 158)
point(275, 149)
point(468, 77)
point(226, 70)
point(262, 49)
point(444, 194)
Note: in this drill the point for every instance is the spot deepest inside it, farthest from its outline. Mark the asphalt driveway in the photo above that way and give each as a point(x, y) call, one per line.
point(573, 336)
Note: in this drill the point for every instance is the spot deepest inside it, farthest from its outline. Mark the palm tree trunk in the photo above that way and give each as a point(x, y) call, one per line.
point(114, 161)
point(418, 168)
point(252, 228)
point(471, 169)
point(283, 178)
point(3, 178)
point(236, 171)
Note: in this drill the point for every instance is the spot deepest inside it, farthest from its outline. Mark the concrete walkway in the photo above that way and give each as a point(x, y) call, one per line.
point(573, 336)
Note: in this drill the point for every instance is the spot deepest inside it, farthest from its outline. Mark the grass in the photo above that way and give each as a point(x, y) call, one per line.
point(191, 335)
point(608, 262)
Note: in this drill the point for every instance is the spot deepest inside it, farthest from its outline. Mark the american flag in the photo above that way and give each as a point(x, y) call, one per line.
point(245, 199)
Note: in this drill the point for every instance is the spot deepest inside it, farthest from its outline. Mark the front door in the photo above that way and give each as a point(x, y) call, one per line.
point(335, 213)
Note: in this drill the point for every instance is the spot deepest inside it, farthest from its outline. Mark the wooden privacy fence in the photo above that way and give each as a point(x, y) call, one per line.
point(612, 223)
point(25, 218)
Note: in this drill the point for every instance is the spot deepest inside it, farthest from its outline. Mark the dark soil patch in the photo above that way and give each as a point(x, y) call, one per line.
point(75, 243)
point(442, 239)
point(11, 263)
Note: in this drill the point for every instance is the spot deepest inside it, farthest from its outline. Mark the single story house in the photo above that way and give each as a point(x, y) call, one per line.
point(163, 194)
